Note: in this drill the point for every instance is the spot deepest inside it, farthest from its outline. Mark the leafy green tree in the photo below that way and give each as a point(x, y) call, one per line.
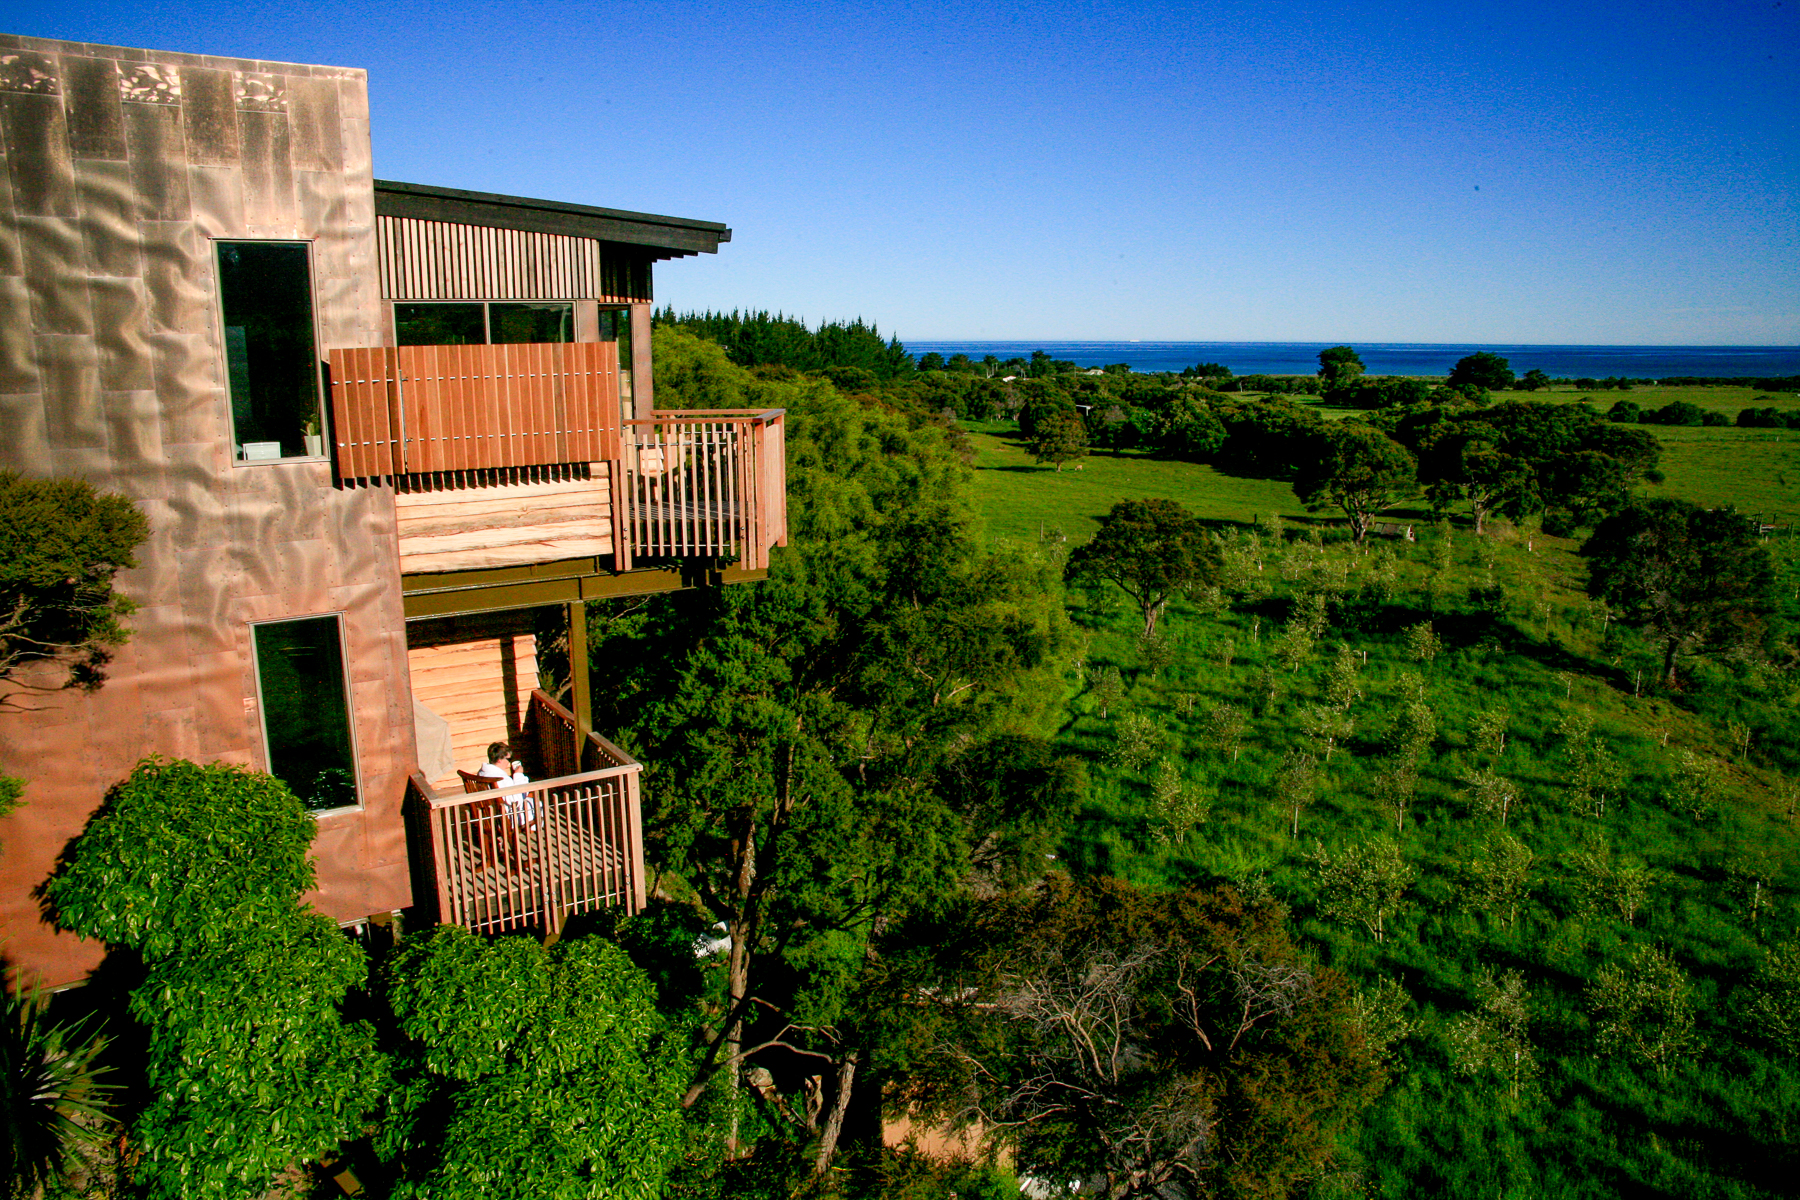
point(1108, 689)
point(1689, 576)
point(1176, 805)
point(1363, 883)
point(1188, 430)
point(1147, 1044)
point(1498, 878)
point(1535, 379)
point(1769, 1001)
point(1225, 726)
point(1495, 1039)
point(1058, 437)
point(1382, 1015)
point(817, 742)
point(1621, 883)
point(1522, 457)
point(1136, 741)
point(1358, 470)
point(1339, 367)
point(1482, 369)
point(200, 870)
point(53, 1098)
point(1644, 1008)
point(1491, 794)
point(1296, 785)
point(528, 1072)
point(61, 543)
point(1152, 549)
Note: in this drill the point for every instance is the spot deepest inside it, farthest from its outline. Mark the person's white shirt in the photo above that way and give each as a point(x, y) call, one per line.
point(521, 808)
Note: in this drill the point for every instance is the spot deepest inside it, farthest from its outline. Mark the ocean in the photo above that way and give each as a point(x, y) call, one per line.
point(1400, 358)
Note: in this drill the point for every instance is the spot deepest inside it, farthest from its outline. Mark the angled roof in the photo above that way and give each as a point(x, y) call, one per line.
point(663, 237)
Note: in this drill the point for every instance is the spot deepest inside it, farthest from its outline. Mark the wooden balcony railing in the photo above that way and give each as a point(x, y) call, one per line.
point(531, 855)
point(446, 424)
point(708, 483)
point(414, 410)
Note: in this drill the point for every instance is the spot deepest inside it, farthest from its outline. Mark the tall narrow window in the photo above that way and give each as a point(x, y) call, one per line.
point(306, 710)
point(265, 290)
point(615, 327)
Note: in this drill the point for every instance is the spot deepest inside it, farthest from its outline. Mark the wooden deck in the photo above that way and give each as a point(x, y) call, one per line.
point(530, 855)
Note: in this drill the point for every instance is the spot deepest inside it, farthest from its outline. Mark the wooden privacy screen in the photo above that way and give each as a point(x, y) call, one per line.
point(707, 484)
point(405, 410)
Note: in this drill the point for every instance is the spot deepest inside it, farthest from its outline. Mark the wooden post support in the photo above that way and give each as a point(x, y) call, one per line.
point(580, 702)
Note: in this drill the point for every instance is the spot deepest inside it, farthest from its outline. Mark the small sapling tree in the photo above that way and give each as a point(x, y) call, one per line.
point(1362, 884)
point(1644, 1008)
point(1498, 878)
point(1495, 1039)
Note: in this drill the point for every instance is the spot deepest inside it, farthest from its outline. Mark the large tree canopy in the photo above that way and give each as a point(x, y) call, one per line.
point(1482, 369)
point(1526, 457)
point(1162, 1045)
point(1339, 366)
point(816, 743)
point(1358, 470)
point(249, 1062)
point(1690, 576)
point(1153, 549)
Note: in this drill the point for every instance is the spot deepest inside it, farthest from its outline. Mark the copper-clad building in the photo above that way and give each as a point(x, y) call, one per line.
point(377, 430)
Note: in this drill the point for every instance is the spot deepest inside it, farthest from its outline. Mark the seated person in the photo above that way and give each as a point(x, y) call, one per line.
point(504, 769)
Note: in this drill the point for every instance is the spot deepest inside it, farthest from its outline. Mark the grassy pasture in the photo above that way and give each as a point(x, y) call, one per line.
point(1755, 470)
point(1520, 638)
point(1016, 495)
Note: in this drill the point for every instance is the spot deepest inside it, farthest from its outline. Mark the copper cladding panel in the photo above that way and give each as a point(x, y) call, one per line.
point(114, 182)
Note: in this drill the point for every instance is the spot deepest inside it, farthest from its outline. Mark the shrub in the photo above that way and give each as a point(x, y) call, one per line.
point(528, 1072)
point(251, 1066)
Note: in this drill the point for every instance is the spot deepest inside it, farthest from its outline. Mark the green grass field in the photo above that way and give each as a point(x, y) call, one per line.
point(1755, 470)
point(1521, 641)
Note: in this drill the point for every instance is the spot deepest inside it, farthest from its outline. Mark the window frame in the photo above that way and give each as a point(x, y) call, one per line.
point(487, 316)
point(262, 706)
point(324, 400)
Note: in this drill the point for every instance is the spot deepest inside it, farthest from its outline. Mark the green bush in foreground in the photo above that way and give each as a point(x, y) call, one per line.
point(528, 1072)
point(251, 1067)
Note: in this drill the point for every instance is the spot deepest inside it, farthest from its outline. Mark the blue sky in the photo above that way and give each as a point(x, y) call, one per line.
point(1520, 172)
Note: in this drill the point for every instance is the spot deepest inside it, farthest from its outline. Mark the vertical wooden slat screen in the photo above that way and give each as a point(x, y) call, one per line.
point(440, 260)
point(418, 409)
point(705, 484)
point(367, 424)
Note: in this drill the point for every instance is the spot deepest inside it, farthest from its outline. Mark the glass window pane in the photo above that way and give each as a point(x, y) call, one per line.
point(306, 711)
point(265, 291)
point(531, 322)
point(439, 325)
point(615, 327)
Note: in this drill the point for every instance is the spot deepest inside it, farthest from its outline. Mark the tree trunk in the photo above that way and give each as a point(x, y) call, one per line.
point(1152, 610)
point(738, 986)
point(834, 1124)
point(1669, 649)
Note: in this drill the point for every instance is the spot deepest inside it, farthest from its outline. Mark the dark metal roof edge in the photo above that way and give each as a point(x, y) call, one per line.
point(494, 199)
